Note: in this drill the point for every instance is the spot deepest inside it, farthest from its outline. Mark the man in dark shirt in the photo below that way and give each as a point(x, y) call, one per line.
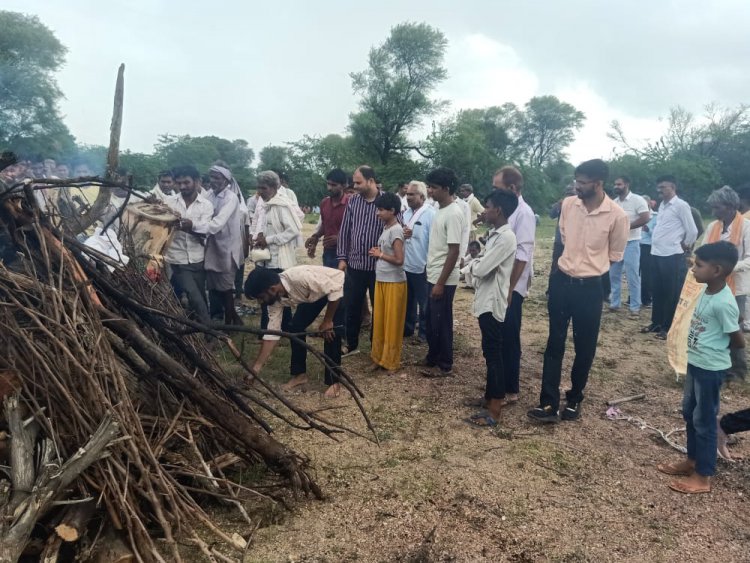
point(360, 231)
point(331, 216)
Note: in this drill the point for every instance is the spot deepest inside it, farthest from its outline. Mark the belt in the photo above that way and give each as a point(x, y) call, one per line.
point(579, 281)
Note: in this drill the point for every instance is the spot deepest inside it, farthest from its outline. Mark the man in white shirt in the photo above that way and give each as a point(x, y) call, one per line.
point(466, 192)
point(165, 186)
point(401, 192)
point(638, 215)
point(186, 253)
point(674, 234)
point(446, 238)
point(523, 224)
point(310, 289)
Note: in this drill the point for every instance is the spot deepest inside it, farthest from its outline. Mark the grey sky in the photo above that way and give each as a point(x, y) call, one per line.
point(271, 72)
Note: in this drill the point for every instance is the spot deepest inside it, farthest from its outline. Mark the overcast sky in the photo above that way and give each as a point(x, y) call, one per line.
point(270, 72)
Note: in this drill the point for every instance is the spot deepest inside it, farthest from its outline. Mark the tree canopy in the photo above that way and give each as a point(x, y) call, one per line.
point(30, 121)
point(395, 89)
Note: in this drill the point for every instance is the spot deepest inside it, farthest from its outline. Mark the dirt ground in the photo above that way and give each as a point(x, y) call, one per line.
point(436, 489)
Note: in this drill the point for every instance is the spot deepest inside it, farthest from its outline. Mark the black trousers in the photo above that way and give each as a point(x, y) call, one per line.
point(511, 330)
point(492, 349)
point(736, 422)
point(416, 304)
point(356, 285)
point(191, 278)
point(668, 277)
point(646, 275)
point(579, 301)
point(440, 328)
point(286, 318)
point(304, 316)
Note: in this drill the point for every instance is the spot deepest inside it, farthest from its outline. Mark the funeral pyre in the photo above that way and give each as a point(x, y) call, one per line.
point(118, 426)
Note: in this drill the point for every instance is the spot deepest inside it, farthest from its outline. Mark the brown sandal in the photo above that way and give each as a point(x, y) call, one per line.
point(670, 469)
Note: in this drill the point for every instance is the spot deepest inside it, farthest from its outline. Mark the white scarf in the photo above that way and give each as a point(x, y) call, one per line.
point(415, 217)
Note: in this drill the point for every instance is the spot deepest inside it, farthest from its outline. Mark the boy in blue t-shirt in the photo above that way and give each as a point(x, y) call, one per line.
point(714, 329)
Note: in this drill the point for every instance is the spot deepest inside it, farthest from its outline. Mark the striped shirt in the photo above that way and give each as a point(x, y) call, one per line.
point(360, 231)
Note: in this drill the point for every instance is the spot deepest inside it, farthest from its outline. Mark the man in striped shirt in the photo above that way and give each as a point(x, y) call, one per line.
point(360, 231)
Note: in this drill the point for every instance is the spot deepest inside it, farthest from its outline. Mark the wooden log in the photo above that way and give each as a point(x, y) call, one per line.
point(86, 220)
point(32, 493)
point(51, 553)
point(621, 400)
point(111, 548)
point(74, 521)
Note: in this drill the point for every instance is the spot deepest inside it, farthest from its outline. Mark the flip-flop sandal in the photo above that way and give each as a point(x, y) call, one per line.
point(508, 403)
point(669, 469)
point(680, 488)
point(474, 420)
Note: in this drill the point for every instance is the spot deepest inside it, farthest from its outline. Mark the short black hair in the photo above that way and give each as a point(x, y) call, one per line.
point(164, 173)
point(185, 171)
point(443, 177)
point(259, 280)
point(368, 173)
point(337, 176)
point(625, 178)
point(504, 199)
point(667, 178)
point(389, 201)
point(743, 191)
point(475, 244)
point(723, 253)
point(595, 169)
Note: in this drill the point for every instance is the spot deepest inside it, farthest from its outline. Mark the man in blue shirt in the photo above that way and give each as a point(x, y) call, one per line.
point(417, 224)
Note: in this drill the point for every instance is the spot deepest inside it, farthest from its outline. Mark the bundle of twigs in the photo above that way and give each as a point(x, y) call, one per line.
point(121, 423)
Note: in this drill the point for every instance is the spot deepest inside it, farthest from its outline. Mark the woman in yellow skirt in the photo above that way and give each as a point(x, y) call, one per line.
point(389, 313)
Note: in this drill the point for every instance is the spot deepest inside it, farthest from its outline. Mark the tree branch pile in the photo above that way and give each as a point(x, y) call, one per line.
point(119, 424)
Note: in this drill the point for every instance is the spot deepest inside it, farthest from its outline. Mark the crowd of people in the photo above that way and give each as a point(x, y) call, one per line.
point(399, 257)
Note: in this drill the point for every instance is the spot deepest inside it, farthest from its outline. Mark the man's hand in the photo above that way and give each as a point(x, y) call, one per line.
point(437, 291)
point(311, 242)
point(330, 239)
point(151, 199)
point(510, 297)
point(260, 241)
point(375, 252)
point(342, 265)
point(407, 232)
point(186, 225)
point(326, 330)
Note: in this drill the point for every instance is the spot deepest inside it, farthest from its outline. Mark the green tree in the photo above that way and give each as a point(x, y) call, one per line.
point(202, 152)
point(545, 128)
point(30, 122)
point(395, 89)
point(473, 142)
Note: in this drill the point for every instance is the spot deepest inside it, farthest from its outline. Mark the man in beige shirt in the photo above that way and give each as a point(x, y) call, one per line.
point(594, 233)
point(311, 289)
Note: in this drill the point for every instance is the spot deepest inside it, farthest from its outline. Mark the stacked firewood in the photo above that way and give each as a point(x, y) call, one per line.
point(118, 425)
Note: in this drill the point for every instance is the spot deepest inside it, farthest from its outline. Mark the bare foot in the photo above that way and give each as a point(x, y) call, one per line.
point(333, 391)
point(684, 468)
point(375, 367)
point(693, 485)
point(296, 381)
point(721, 444)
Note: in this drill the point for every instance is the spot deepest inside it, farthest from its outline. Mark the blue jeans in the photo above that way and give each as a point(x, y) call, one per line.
point(700, 407)
point(330, 259)
point(632, 263)
point(416, 299)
